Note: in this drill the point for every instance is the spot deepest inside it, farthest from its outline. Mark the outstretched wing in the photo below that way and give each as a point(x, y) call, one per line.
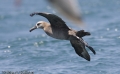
point(80, 49)
point(54, 20)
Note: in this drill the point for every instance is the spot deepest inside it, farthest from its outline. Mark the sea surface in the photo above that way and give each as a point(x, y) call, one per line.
point(21, 50)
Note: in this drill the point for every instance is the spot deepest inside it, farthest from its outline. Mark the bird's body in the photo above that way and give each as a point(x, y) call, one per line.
point(59, 30)
point(56, 32)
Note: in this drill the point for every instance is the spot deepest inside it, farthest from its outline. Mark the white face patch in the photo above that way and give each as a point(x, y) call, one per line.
point(40, 24)
point(37, 25)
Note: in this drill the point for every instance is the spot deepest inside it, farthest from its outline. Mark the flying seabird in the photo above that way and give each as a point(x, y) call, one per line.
point(58, 29)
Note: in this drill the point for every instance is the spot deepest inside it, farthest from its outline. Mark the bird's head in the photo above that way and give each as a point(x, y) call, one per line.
point(39, 24)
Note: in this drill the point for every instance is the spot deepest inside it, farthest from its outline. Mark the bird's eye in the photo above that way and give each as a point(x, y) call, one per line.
point(38, 24)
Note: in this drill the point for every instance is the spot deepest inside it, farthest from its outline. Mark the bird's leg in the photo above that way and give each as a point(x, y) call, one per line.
point(86, 44)
point(91, 49)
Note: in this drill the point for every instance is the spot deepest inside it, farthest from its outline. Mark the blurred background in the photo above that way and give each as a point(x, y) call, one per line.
point(21, 50)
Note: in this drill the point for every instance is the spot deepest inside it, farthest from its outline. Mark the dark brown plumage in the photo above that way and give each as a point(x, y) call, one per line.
point(58, 29)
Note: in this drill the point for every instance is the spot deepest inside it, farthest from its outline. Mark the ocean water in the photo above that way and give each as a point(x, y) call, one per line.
point(36, 52)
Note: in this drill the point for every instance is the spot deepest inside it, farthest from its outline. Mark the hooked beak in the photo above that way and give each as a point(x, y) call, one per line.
point(33, 28)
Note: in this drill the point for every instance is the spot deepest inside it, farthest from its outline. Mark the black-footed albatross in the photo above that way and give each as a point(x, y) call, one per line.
point(59, 30)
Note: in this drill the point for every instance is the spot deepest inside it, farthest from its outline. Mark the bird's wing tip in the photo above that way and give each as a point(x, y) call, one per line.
point(86, 56)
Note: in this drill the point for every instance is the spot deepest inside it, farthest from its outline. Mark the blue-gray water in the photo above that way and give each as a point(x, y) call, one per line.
point(21, 50)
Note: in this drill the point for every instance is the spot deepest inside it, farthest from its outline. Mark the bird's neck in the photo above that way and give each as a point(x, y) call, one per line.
point(46, 25)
